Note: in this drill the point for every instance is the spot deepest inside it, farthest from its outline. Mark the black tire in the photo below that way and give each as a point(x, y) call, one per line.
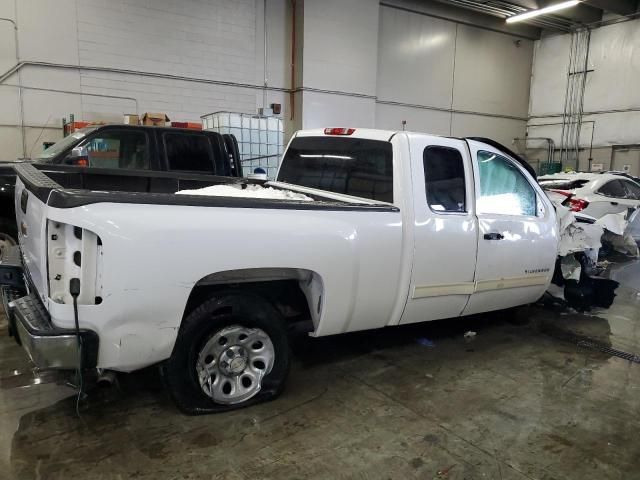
point(224, 310)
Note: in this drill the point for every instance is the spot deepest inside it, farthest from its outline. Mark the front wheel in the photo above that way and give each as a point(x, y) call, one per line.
point(231, 352)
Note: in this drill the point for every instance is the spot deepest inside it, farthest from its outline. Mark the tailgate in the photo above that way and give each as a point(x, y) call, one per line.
point(31, 193)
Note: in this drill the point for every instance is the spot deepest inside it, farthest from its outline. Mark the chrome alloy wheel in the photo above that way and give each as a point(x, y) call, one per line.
point(233, 362)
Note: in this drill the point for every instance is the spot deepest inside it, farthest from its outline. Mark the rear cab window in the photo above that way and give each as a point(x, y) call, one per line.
point(352, 166)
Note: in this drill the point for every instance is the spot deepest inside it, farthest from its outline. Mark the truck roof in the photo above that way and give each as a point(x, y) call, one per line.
point(386, 135)
point(369, 133)
point(120, 125)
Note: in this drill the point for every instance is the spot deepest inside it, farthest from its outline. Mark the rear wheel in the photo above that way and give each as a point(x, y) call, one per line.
point(231, 352)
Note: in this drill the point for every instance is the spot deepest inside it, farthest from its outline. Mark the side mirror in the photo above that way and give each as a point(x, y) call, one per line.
point(79, 156)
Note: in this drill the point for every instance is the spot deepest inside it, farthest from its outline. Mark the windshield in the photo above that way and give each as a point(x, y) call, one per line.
point(63, 144)
point(353, 166)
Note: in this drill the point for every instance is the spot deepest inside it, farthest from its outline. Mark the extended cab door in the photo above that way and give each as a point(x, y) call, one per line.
point(445, 229)
point(517, 237)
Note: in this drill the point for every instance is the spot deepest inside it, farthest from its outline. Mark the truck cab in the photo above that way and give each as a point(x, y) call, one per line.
point(476, 224)
point(126, 150)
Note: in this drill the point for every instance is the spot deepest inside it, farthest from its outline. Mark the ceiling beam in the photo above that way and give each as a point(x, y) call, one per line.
point(621, 7)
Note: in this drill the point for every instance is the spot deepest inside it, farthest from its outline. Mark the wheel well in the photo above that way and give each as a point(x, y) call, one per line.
point(295, 293)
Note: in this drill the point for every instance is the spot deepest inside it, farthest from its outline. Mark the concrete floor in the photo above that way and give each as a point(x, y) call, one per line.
point(518, 402)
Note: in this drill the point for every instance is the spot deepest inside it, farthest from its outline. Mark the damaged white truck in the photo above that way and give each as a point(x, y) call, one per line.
point(362, 229)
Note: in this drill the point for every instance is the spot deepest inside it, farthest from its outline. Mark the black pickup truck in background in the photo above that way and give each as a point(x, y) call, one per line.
point(139, 154)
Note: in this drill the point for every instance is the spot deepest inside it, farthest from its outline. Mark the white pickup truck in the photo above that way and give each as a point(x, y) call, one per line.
point(394, 228)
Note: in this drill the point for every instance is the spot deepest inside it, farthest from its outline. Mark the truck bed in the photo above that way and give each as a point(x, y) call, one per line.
point(61, 187)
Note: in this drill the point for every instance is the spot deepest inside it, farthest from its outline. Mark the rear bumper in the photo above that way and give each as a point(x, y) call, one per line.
point(48, 347)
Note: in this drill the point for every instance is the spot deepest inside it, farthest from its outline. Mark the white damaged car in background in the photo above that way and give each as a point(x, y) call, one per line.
point(597, 214)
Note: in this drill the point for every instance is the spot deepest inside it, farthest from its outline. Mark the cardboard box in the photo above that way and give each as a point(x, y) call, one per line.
point(155, 119)
point(131, 119)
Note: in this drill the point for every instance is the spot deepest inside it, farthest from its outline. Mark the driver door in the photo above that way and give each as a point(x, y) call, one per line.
point(517, 233)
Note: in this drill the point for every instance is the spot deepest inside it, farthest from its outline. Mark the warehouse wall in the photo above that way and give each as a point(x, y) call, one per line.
point(339, 63)
point(450, 78)
point(361, 63)
point(213, 40)
point(611, 99)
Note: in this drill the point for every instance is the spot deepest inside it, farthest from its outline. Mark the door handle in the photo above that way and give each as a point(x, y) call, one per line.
point(614, 203)
point(493, 236)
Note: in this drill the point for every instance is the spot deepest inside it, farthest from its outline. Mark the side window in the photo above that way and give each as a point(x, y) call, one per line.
point(633, 190)
point(614, 188)
point(444, 179)
point(189, 152)
point(117, 149)
point(504, 190)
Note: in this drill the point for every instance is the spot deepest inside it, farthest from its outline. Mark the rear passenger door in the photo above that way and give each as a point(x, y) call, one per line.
point(517, 233)
point(445, 229)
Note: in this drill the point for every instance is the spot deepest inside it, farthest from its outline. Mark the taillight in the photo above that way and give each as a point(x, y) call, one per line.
point(562, 192)
point(339, 131)
point(81, 161)
point(577, 204)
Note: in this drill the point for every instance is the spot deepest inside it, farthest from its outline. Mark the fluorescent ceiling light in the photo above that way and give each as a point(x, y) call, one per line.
point(542, 11)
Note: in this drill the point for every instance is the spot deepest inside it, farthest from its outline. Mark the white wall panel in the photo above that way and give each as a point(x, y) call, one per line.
point(340, 45)
point(615, 129)
point(390, 117)
point(615, 58)
point(554, 131)
point(415, 58)
point(215, 39)
point(549, 78)
point(502, 130)
point(325, 110)
point(613, 84)
point(492, 72)
point(279, 43)
point(9, 136)
point(427, 61)
point(48, 31)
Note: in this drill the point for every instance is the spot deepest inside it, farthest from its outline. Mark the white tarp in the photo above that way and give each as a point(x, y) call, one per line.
point(251, 191)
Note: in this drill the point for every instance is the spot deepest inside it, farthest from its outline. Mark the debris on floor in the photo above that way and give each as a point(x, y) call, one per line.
point(444, 472)
point(470, 335)
point(425, 342)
